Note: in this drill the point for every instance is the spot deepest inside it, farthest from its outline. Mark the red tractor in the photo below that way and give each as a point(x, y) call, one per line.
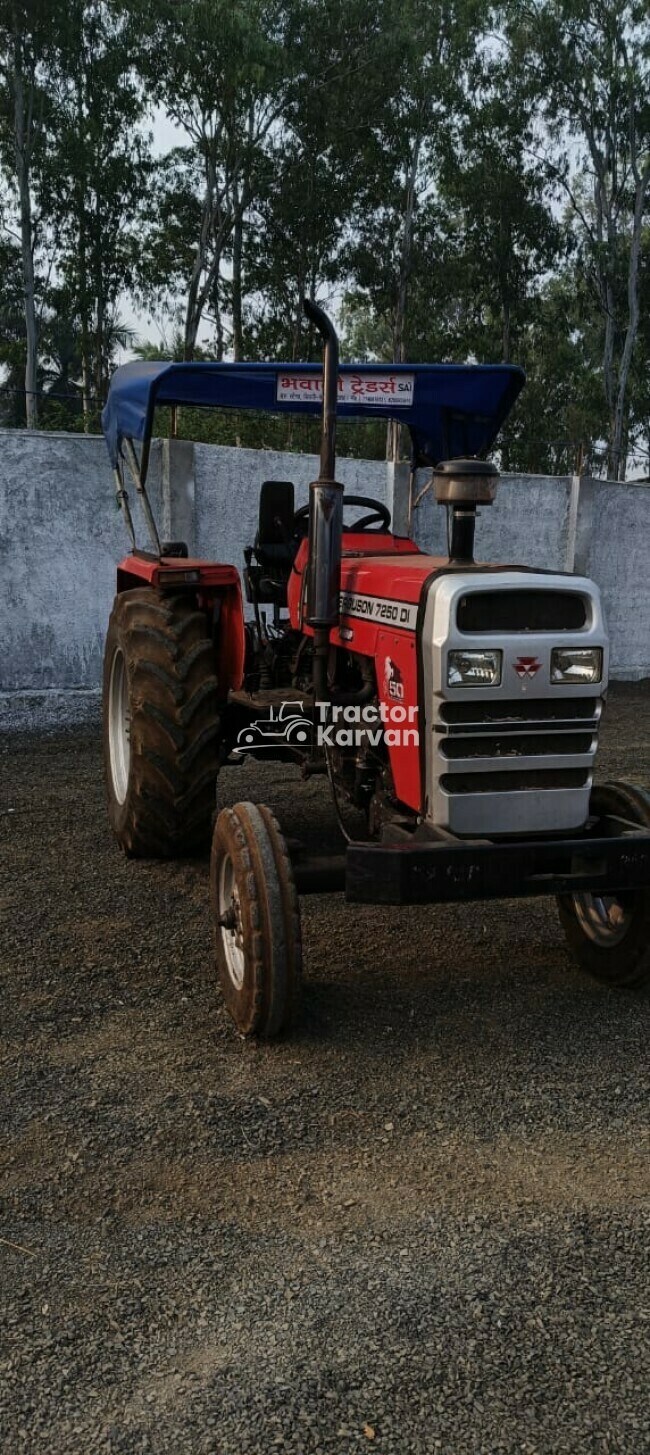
point(457, 705)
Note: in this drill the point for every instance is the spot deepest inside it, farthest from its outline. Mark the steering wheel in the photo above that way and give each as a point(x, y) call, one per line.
point(378, 516)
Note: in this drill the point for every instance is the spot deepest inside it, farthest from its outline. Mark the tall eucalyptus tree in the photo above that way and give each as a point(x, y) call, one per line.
point(586, 64)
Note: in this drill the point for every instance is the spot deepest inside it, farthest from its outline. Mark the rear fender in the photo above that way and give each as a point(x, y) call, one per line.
point(229, 636)
point(218, 592)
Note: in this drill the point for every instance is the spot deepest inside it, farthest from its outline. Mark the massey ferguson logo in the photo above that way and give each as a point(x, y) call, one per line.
point(527, 666)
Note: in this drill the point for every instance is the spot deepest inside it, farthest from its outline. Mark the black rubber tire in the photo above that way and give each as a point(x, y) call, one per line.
point(173, 706)
point(267, 1001)
point(626, 963)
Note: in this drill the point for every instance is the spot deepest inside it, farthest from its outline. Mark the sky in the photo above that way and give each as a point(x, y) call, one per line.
point(166, 134)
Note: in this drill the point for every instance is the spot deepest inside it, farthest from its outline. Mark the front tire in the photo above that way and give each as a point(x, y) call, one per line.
point(258, 948)
point(609, 934)
point(160, 725)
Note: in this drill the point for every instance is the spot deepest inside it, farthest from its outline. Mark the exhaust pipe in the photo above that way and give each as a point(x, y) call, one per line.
point(325, 513)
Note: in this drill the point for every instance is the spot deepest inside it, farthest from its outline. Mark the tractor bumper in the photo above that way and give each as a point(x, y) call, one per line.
point(440, 872)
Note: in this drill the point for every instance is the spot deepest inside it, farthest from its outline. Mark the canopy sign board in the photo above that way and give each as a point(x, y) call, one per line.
point(362, 387)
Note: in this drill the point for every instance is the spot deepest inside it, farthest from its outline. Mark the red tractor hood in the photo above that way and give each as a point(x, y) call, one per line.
point(381, 585)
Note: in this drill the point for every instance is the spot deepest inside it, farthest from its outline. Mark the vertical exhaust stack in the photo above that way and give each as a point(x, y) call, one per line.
point(325, 513)
point(464, 484)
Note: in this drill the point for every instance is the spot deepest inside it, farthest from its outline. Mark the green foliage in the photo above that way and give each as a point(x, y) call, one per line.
point(357, 439)
point(586, 69)
point(456, 181)
point(97, 169)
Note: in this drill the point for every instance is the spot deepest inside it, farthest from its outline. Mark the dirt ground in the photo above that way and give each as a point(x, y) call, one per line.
point(420, 1225)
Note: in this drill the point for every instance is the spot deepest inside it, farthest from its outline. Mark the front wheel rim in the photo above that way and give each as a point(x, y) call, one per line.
point(603, 918)
point(119, 726)
point(230, 923)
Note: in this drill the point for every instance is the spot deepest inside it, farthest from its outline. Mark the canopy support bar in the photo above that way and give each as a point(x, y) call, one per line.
point(132, 461)
point(415, 499)
point(123, 502)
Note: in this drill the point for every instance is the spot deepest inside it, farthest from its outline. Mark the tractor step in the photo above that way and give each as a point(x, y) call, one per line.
point(269, 697)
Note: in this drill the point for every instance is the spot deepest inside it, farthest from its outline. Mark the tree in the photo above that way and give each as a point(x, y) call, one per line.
point(493, 208)
point(427, 50)
point(25, 34)
point(310, 170)
point(94, 177)
point(587, 64)
point(557, 427)
point(12, 335)
point(218, 67)
point(639, 383)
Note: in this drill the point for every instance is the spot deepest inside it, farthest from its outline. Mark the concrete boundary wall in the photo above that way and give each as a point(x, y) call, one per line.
point(61, 536)
point(595, 528)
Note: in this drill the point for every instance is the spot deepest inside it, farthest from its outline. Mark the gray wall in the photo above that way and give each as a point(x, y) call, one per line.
point(612, 546)
point(529, 523)
point(593, 527)
point(227, 484)
point(61, 536)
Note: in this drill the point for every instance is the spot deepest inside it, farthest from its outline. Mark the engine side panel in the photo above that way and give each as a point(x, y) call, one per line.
point(396, 665)
point(380, 595)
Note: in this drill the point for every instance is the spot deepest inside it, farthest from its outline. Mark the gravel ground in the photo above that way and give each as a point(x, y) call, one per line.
point(419, 1226)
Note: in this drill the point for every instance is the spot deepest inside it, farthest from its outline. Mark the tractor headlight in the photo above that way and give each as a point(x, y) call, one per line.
point(474, 669)
point(578, 666)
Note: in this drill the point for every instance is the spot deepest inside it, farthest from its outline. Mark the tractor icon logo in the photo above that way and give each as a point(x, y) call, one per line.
point(291, 728)
point(527, 667)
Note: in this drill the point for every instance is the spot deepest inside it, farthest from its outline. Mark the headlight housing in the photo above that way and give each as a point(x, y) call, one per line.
point(576, 666)
point(474, 669)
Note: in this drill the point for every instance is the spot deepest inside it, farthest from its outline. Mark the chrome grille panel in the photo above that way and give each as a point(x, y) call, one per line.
point(535, 711)
point(516, 781)
point(518, 732)
point(517, 758)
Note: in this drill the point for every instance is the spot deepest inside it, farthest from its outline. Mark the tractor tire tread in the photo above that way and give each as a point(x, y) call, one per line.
point(625, 965)
point(268, 1003)
point(292, 915)
point(174, 725)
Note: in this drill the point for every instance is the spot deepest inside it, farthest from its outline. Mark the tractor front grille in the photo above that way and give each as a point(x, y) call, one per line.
point(525, 610)
point(559, 711)
point(505, 746)
point(516, 781)
point(517, 758)
point(514, 745)
point(518, 755)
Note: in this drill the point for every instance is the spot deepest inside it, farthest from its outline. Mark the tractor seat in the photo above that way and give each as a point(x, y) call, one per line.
point(275, 543)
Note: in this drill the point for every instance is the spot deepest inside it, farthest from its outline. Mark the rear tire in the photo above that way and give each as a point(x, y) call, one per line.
point(161, 725)
point(258, 947)
point(609, 934)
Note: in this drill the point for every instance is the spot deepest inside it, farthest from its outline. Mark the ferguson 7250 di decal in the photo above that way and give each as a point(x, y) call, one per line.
point(378, 608)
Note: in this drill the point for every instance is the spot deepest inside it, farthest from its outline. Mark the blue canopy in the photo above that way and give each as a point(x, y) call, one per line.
point(450, 409)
